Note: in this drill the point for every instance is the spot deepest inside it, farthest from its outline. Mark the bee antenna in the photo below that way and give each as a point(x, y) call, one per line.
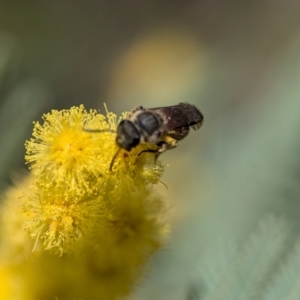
point(99, 130)
point(113, 159)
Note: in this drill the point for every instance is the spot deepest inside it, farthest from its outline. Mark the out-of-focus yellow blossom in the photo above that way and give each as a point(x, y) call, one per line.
point(16, 245)
point(81, 231)
point(6, 290)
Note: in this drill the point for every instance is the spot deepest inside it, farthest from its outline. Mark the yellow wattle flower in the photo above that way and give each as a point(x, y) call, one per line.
point(64, 225)
point(90, 230)
point(62, 154)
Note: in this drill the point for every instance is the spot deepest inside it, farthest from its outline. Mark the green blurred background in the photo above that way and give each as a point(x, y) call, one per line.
point(238, 61)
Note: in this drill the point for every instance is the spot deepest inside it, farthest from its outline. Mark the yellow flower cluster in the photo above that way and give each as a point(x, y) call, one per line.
point(74, 229)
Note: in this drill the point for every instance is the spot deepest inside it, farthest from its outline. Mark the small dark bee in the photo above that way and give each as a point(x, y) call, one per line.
point(162, 126)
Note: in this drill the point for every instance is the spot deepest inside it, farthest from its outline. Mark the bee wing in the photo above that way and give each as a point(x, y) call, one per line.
point(197, 126)
point(181, 115)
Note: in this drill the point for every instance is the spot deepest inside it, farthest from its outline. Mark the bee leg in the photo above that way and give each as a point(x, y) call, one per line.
point(151, 151)
point(163, 147)
point(156, 152)
point(167, 145)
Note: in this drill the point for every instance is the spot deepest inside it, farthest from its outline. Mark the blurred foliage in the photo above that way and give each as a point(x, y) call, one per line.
point(252, 271)
point(238, 61)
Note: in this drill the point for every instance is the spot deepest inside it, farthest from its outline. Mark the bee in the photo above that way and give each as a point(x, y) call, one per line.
point(162, 126)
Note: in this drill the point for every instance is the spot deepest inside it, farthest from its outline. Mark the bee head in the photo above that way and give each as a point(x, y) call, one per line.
point(127, 135)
